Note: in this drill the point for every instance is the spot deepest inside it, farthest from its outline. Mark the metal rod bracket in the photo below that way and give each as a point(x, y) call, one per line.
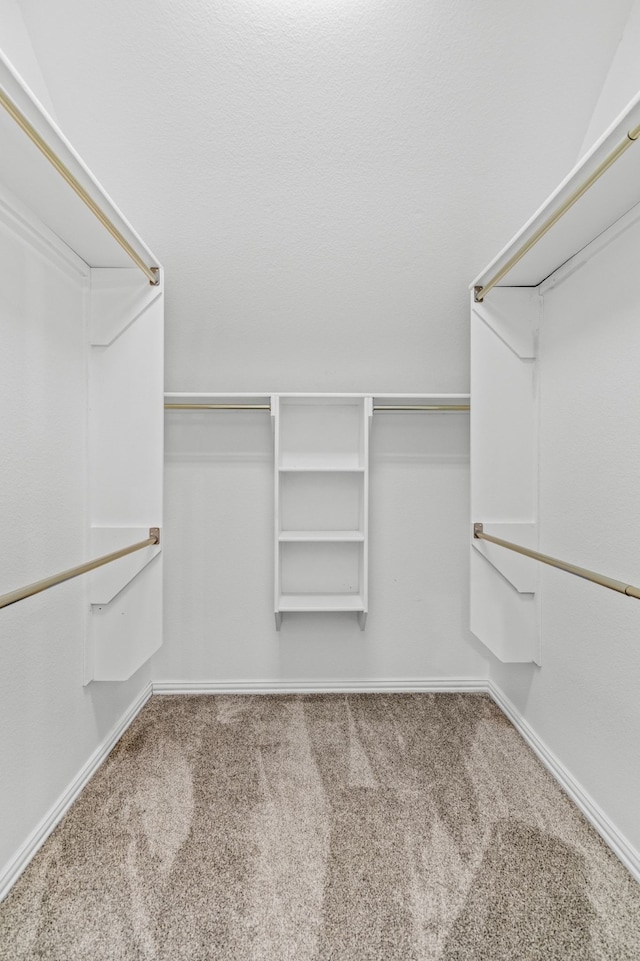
point(476, 295)
point(156, 272)
point(155, 533)
point(477, 530)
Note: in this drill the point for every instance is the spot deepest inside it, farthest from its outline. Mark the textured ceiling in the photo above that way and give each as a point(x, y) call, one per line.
point(323, 178)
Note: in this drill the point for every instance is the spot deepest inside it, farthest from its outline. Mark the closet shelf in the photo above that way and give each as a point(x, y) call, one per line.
point(320, 464)
point(616, 192)
point(321, 503)
point(309, 603)
point(250, 399)
point(256, 398)
point(320, 536)
point(33, 180)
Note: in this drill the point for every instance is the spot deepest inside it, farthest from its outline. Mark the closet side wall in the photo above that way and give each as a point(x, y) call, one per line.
point(583, 703)
point(50, 725)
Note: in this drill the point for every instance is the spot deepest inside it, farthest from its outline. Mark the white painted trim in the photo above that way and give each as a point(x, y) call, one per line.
point(593, 813)
point(427, 685)
point(12, 871)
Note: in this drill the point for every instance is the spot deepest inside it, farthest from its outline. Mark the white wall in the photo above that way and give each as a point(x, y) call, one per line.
point(50, 725)
point(16, 45)
point(322, 178)
point(583, 702)
point(219, 623)
point(622, 82)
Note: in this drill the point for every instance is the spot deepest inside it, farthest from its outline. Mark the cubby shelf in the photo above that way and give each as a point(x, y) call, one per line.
point(328, 536)
point(313, 467)
point(310, 603)
point(321, 503)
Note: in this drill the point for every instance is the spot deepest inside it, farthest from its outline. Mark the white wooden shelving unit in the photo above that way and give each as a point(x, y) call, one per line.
point(505, 378)
point(321, 469)
point(120, 326)
point(321, 503)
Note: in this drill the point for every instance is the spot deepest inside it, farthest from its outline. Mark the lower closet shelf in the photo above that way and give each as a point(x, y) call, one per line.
point(320, 602)
point(313, 536)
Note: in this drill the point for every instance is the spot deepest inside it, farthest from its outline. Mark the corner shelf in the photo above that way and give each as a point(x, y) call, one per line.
point(321, 503)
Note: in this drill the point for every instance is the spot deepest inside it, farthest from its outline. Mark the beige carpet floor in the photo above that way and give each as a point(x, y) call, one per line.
point(322, 828)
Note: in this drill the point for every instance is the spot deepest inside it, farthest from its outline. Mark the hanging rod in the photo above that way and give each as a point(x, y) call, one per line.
point(588, 575)
point(427, 408)
point(152, 273)
point(480, 292)
point(47, 582)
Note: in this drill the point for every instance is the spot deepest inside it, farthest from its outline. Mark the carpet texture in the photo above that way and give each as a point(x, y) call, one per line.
point(354, 827)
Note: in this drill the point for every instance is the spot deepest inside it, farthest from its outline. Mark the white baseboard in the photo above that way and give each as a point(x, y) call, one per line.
point(427, 685)
point(629, 856)
point(12, 871)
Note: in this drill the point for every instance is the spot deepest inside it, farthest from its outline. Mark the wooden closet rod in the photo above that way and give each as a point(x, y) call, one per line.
point(588, 575)
point(47, 582)
point(632, 136)
point(152, 273)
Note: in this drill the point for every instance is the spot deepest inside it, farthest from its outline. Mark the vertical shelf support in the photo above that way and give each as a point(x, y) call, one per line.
point(504, 602)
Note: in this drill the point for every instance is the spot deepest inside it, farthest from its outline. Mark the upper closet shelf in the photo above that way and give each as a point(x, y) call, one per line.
point(195, 400)
point(185, 400)
point(603, 203)
point(43, 189)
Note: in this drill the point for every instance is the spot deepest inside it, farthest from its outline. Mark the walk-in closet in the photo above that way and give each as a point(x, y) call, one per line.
point(319, 580)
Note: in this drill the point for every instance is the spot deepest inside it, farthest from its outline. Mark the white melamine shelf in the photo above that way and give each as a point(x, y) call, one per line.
point(30, 177)
point(320, 602)
point(114, 362)
point(321, 503)
point(320, 465)
point(401, 400)
point(617, 191)
point(327, 536)
point(384, 400)
point(221, 397)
